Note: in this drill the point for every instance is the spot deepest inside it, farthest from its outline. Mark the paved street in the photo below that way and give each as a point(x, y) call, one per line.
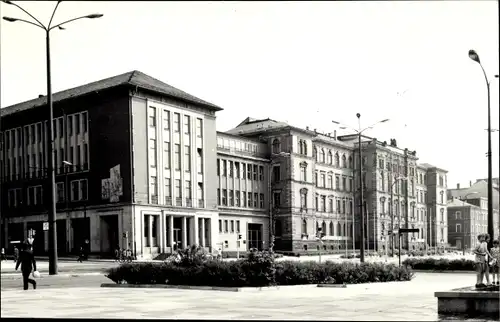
point(379, 301)
point(46, 282)
point(8, 267)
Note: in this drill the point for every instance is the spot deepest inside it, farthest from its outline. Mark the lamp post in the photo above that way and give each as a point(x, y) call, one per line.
point(475, 57)
point(50, 137)
point(359, 132)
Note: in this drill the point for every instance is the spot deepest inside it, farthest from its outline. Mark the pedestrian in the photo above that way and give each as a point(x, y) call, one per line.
point(495, 262)
point(4, 258)
point(28, 265)
point(81, 255)
point(16, 254)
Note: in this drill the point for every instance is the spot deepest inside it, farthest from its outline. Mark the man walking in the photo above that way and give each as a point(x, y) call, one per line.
point(28, 264)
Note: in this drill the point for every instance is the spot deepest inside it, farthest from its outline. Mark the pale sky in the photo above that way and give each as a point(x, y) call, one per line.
point(306, 63)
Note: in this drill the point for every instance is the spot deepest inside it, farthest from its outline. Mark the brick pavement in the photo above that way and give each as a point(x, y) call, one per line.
point(379, 301)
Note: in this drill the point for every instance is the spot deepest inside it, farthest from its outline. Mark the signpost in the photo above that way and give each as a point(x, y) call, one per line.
point(45, 226)
point(401, 232)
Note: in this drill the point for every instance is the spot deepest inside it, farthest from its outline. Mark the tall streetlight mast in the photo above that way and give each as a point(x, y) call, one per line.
point(51, 202)
point(475, 57)
point(359, 132)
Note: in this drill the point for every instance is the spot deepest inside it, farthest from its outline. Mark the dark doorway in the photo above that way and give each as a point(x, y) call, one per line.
point(255, 236)
point(62, 244)
point(109, 234)
point(81, 231)
point(178, 234)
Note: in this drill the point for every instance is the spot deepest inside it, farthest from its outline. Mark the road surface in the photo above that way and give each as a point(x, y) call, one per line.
point(51, 282)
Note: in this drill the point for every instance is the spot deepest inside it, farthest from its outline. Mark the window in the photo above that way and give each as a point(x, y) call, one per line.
point(85, 156)
point(330, 205)
point(249, 172)
point(458, 228)
point(351, 186)
point(187, 158)
point(218, 196)
point(218, 167)
point(276, 146)
point(166, 155)
point(350, 162)
point(458, 215)
point(231, 198)
point(337, 160)
point(187, 188)
point(152, 153)
point(237, 199)
point(178, 192)
point(85, 125)
point(249, 203)
point(226, 226)
point(337, 182)
point(330, 181)
point(261, 173)
point(276, 199)
point(224, 197)
point(177, 120)
point(177, 156)
point(323, 184)
point(442, 197)
point(77, 123)
point(330, 157)
point(238, 226)
point(152, 117)
point(60, 192)
point(344, 161)
point(79, 190)
point(338, 206)
point(220, 226)
point(153, 190)
point(168, 191)
point(187, 125)
point(255, 200)
point(199, 128)
point(276, 173)
point(232, 226)
point(303, 200)
point(255, 169)
point(344, 183)
point(230, 168)
point(166, 120)
point(261, 201)
point(303, 174)
point(199, 161)
point(243, 170)
point(322, 156)
point(237, 169)
point(304, 226)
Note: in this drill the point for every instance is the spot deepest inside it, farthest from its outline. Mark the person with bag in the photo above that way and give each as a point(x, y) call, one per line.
point(28, 265)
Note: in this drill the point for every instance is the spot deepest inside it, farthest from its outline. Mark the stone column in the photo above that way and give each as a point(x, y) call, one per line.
point(162, 233)
point(195, 231)
point(209, 231)
point(202, 232)
point(150, 232)
point(184, 232)
point(171, 232)
point(69, 235)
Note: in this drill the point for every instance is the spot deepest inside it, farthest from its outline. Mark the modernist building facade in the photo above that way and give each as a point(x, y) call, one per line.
point(134, 158)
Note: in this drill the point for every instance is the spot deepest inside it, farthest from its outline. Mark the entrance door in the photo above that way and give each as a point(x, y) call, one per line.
point(459, 243)
point(255, 236)
point(177, 239)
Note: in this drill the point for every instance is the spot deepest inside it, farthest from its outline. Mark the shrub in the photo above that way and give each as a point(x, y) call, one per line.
point(439, 264)
point(259, 269)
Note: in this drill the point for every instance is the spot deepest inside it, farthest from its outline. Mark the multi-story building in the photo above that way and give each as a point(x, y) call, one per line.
point(467, 219)
point(135, 158)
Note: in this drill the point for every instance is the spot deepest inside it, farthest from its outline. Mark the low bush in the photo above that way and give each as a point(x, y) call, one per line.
point(259, 269)
point(439, 264)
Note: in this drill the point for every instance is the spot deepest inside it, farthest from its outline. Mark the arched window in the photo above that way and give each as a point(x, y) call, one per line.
point(304, 226)
point(329, 158)
point(350, 162)
point(301, 147)
point(344, 161)
point(322, 156)
point(278, 229)
point(276, 146)
point(305, 147)
point(323, 227)
point(337, 160)
point(315, 153)
point(332, 229)
point(317, 227)
point(339, 229)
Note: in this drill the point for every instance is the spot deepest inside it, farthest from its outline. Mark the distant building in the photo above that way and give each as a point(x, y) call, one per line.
point(466, 220)
point(479, 189)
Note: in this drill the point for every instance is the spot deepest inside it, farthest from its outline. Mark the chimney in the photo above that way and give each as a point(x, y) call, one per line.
point(335, 134)
point(470, 183)
point(458, 185)
point(40, 96)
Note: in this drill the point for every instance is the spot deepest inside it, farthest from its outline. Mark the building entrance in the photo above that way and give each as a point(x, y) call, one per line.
point(177, 239)
point(255, 236)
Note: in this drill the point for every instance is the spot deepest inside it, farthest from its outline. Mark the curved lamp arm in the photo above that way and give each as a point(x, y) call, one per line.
point(26, 12)
point(92, 16)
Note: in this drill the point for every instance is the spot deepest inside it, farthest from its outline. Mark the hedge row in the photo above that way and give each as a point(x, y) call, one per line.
point(257, 270)
point(439, 264)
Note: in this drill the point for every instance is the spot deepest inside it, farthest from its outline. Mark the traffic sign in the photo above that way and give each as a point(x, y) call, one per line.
point(45, 226)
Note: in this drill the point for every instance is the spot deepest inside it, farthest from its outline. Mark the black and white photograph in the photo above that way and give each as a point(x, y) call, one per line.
point(241, 160)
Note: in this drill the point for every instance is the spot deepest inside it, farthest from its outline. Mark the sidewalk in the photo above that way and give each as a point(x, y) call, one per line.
point(64, 267)
point(397, 301)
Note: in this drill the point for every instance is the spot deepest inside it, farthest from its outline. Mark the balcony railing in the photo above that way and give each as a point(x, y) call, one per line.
point(201, 203)
point(168, 201)
point(178, 201)
point(189, 202)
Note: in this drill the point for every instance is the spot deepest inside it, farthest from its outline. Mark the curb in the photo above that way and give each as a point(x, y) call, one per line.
point(15, 276)
point(333, 285)
point(208, 288)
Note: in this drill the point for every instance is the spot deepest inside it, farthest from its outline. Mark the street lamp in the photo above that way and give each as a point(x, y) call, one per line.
point(475, 57)
point(50, 138)
point(360, 131)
